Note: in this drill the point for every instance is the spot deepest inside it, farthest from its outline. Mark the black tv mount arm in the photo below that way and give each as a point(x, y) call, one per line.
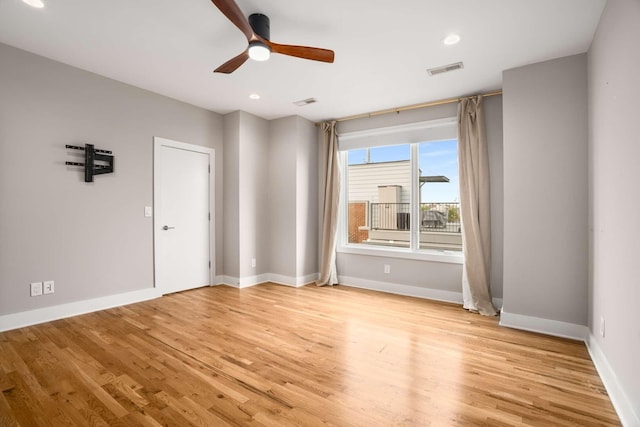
point(91, 156)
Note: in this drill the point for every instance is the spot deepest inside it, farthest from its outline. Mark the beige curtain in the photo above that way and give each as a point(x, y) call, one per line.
point(331, 197)
point(473, 162)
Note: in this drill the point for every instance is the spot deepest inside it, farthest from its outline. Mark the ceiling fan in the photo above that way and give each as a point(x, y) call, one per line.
point(257, 31)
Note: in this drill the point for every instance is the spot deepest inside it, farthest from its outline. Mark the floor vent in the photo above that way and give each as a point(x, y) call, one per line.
point(445, 69)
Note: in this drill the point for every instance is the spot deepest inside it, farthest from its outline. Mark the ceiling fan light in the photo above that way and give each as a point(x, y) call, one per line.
point(258, 51)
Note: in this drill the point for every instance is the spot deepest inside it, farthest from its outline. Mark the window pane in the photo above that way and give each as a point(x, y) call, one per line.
point(379, 190)
point(439, 196)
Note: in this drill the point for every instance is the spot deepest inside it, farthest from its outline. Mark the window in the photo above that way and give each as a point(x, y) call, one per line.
point(402, 196)
point(439, 196)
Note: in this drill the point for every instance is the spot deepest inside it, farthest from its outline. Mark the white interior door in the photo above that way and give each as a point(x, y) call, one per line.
point(182, 235)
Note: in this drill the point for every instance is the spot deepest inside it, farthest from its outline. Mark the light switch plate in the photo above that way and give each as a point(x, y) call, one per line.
point(147, 211)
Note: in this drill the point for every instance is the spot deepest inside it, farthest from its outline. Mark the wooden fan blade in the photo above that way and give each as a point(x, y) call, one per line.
point(233, 64)
point(230, 9)
point(314, 53)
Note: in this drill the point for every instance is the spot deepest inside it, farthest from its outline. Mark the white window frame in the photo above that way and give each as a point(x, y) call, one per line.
point(431, 131)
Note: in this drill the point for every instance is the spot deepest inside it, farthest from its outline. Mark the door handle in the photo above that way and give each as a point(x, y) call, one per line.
point(166, 227)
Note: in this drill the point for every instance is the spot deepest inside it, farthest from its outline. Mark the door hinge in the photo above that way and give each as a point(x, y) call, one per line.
point(209, 265)
point(209, 216)
point(209, 168)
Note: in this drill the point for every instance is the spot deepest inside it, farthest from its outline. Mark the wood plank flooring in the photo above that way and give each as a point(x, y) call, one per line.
point(277, 356)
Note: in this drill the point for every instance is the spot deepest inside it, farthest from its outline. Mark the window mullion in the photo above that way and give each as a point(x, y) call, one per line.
point(343, 201)
point(414, 217)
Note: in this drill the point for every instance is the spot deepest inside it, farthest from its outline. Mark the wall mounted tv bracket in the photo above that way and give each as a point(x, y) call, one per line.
point(91, 156)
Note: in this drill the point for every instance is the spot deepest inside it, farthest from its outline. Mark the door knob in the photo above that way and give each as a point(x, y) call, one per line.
point(166, 227)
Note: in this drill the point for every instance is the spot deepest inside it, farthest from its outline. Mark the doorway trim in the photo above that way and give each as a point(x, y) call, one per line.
point(159, 142)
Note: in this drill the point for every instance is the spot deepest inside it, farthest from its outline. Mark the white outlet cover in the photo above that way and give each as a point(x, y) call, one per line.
point(36, 289)
point(49, 287)
point(148, 211)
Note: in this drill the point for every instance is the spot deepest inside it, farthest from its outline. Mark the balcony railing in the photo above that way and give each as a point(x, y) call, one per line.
point(437, 217)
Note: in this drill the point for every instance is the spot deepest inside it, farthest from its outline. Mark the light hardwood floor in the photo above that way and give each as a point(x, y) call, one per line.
point(279, 356)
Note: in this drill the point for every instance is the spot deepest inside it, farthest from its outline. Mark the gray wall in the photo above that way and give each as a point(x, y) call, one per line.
point(307, 216)
point(614, 91)
point(426, 274)
point(253, 222)
point(270, 197)
point(231, 195)
point(545, 190)
point(247, 218)
point(53, 225)
point(493, 122)
point(293, 197)
point(282, 195)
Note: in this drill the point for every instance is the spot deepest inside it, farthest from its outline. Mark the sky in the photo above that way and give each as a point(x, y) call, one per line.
point(436, 158)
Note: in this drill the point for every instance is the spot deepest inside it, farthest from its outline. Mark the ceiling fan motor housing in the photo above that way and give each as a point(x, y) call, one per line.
point(260, 25)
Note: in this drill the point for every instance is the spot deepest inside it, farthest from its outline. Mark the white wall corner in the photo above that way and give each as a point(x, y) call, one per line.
point(226, 280)
point(292, 281)
point(618, 396)
point(56, 312)
point(544, 326)
point(248, 281)
point(407, 290)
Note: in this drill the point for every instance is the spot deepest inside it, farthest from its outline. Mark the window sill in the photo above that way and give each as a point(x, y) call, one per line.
point(450, 257)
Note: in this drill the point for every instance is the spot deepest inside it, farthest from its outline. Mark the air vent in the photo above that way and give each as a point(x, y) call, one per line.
point(445, 69)
point(305, 102)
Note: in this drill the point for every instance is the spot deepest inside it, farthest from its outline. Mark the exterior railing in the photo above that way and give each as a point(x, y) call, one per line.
point(440, 217)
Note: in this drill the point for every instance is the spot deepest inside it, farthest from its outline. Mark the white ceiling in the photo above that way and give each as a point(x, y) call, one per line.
point(382, 49)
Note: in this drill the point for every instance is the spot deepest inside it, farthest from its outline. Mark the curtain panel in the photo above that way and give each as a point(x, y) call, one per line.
point(331, 196)
point(473, 159)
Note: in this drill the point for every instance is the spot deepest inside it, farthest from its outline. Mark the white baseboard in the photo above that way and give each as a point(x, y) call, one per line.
point(407, 290)
point(47, 314)
point(619, 398)
point(293, 281)
point(234, 282)
point(544, 326)
point(241, 282)
point(246, 282)
point(218, 280)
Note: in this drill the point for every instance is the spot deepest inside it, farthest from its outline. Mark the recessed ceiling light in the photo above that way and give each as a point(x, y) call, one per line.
point(451, 39)
point(34, 3)
point(254, 96)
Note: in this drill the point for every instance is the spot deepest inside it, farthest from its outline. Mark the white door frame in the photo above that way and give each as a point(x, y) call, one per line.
point(160, 142)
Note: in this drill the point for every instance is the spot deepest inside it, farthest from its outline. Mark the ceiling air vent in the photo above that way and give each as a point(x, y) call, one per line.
point(445, 69)
point(305, 102)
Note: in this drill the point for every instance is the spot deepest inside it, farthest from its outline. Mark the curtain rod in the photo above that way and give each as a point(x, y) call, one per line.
point(412, 107)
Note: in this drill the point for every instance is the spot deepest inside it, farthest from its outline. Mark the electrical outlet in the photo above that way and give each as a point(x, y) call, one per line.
point(253, 262)
point(49, 287)
point(36, 289)
point(387, 269)
point(602, 326)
